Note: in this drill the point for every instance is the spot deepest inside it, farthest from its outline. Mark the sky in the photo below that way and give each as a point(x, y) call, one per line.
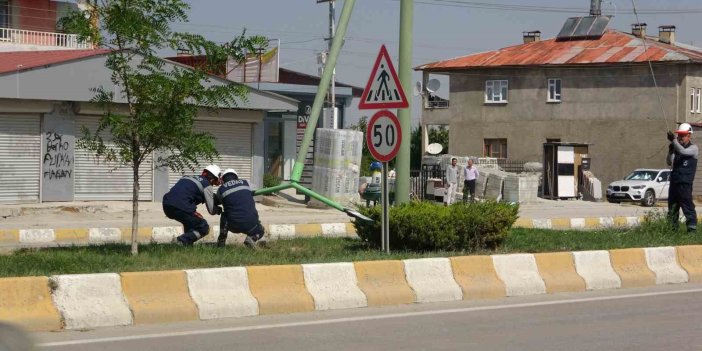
point(442, 29)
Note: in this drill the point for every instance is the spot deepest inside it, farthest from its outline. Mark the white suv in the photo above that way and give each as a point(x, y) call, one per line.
point(643, 185)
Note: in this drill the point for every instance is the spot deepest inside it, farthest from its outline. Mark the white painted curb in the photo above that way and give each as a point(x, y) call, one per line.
point(432, 280)
point(334, 229)
point(520, 274)
point(36, 236)
point(91, 300)
point(333, 286)
point(596, 268)
point(221, 292)
point(104, 235)
point(664, 263)
point(164, 235)
point(281, 231)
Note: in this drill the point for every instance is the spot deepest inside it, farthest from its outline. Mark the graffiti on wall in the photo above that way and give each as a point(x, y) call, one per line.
point(58, 157)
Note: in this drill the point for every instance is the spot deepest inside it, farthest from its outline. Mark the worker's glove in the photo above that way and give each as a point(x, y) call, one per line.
point(671, 136)
point(671, 148)
point(218, 210)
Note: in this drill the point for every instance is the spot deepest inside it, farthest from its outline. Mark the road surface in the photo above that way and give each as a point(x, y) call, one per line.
point(657, 318)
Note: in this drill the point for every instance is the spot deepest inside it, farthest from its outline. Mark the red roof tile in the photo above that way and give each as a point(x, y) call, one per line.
point(9, 61)
point(613, 47)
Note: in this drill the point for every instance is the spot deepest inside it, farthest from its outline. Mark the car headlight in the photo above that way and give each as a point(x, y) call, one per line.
point(638, 186)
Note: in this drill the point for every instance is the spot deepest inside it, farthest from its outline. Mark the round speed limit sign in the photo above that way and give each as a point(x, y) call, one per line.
point(384, 136)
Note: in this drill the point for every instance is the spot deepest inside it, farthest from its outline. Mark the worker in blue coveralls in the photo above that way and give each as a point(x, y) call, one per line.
point(240, 214)
point(180, 203)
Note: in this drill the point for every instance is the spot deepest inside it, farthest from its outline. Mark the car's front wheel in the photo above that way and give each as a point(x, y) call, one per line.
point(649, 198)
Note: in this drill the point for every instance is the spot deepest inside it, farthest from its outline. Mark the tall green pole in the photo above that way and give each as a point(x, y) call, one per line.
point(402, 188)
point(337, 41)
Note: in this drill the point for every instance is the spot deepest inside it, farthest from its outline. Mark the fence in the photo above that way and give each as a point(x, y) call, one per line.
point(30, 37)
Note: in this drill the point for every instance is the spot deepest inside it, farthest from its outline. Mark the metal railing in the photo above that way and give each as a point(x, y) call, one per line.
point(30, 37)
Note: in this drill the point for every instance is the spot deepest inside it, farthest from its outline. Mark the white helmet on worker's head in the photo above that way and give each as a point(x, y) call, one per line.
point(684, 128)
point(214, 170)
point(229, 171)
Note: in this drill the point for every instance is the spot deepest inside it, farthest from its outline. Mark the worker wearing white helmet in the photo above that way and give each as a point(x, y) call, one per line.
point(682, 156)
point(180, 203)
point(240, 214)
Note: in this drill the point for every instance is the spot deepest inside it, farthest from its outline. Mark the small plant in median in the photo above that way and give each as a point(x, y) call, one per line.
point(425, 226)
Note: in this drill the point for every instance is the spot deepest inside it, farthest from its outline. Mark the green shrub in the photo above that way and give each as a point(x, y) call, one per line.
point(270, 180)
point(422, 226)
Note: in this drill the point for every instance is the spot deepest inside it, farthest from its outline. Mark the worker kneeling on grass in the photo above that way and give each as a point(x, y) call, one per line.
point(180, 203)
point(240, 215)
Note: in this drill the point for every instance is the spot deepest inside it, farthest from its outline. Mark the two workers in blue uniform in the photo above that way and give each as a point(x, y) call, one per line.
point(234, 194)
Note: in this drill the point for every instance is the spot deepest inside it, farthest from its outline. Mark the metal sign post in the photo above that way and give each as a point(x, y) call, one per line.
point(383, 138)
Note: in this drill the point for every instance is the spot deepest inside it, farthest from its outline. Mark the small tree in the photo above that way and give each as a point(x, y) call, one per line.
point(158, 101)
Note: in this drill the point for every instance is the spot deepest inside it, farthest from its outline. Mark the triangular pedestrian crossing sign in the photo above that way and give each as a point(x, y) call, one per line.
point(383, 89)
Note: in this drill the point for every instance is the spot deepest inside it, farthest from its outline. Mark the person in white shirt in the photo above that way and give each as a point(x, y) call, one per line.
point(470, 176)
point(452, 174)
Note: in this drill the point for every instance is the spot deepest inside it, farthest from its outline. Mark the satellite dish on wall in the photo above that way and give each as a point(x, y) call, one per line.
point(434, 149)
point(433, 85)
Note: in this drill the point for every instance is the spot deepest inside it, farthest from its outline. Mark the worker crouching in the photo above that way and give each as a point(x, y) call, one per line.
point(240, 214)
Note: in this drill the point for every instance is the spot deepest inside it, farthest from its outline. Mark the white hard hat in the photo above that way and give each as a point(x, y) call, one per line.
point(228, 170)
point(213, 169)
point(684, 128)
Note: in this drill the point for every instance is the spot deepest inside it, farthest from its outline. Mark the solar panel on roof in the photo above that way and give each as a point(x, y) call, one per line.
point(584, 27)
point(598, 28)
point(568, 28)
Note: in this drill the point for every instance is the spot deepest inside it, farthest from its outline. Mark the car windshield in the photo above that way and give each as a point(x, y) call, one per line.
point(642, 175)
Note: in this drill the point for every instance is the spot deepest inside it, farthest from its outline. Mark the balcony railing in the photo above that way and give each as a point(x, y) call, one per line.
point(30, 37)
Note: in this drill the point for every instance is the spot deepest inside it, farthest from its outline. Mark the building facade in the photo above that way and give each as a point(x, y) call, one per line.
point(597, 91)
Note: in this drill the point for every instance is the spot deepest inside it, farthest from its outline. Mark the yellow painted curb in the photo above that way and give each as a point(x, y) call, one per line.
point(632, 268)
point(620, 222)
point(27, 302)
point(307, 230)
point(158, 297)
point(477, 277)
point(9, 235)
point(524, 223)
point(384, 282)
point(560, 223)
point(690, 258)
point(557, 269)
point(72, 235)
point(279, 289)
point(592, 223)
point(143, 234)
point(351, 229)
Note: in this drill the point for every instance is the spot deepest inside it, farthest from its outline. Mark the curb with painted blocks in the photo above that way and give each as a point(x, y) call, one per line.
point(162, 235)
point(104, 300)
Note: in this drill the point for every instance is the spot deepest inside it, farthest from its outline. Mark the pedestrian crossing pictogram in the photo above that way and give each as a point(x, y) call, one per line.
point(383, 89)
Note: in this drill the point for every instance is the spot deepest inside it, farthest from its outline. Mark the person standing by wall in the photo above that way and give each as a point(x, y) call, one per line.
point(452, 174)
point(682, 155)
point(470, 176)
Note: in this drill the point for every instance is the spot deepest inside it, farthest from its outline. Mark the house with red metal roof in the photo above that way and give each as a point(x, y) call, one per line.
point(617, 92)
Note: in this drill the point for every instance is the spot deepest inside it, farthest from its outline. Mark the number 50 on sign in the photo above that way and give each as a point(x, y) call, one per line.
point(384, 136)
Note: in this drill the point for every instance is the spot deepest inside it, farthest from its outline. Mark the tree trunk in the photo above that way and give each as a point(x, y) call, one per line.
point(135, 211)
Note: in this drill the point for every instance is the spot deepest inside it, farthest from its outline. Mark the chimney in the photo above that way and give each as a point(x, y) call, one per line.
point(530, 37)
point(595, 7)
point(638, 30)
point(666, 34)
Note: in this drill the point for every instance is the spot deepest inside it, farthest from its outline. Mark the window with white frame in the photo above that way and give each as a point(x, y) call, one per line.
point(692, 100)
point(554, 90)
point(698, 92)
point(496, 91)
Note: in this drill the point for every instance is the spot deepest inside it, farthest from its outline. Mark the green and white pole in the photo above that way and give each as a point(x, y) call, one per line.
point(402, 187)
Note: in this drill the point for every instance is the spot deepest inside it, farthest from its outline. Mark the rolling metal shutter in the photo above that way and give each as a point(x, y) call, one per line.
point(100, 181)
point(233, 141)
point(20, 158)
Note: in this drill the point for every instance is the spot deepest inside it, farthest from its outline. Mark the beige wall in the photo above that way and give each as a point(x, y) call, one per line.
point(615, 110)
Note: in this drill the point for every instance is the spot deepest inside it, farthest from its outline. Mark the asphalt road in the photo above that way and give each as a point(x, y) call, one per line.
point(658, 318)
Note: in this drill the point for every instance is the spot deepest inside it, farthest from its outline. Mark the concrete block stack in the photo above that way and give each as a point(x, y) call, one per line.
point(521, 189)
point(493, 189)
point(337, 160)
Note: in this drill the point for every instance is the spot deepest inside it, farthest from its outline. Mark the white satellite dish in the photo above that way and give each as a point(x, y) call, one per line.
point(434, 149)
point(433, 85)
point(417, 89)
